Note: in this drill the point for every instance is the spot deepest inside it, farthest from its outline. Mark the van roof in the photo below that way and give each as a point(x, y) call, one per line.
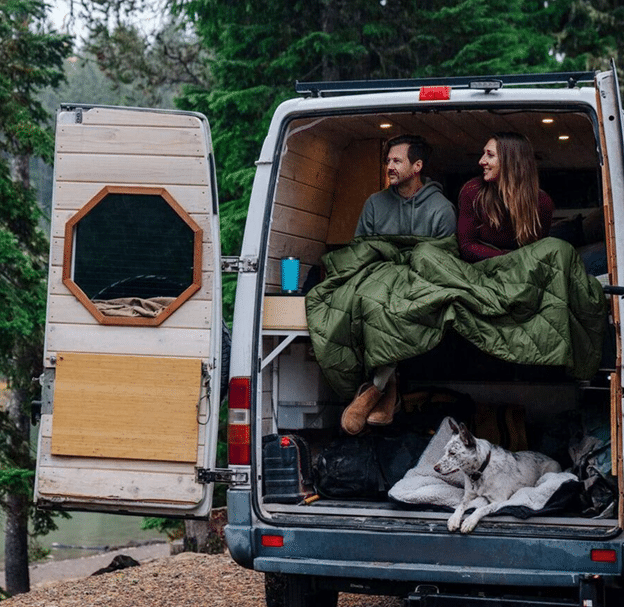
point(570, 79)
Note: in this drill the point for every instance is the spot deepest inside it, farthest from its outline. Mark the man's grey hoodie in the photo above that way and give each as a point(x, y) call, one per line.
point(427, 213)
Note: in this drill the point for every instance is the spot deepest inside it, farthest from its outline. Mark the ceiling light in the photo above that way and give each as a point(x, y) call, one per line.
point(385, 125)
point(564, 137)
point(548, 120)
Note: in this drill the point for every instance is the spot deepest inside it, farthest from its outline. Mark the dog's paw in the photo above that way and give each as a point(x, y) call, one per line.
point(469, 524)
point(453, 523)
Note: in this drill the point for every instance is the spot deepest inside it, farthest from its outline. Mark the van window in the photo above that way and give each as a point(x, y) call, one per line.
point(133, 254)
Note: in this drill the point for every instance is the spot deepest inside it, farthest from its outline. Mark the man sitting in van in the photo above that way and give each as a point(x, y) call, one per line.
point(412, 204)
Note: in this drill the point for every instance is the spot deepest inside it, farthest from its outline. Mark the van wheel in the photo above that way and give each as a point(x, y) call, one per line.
point(284, 590)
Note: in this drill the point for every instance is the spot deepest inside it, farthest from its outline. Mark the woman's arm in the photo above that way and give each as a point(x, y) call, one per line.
point(545, 210)
point(471, 246)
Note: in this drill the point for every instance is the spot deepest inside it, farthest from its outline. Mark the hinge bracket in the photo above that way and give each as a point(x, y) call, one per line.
point(239, 264)
point(231, 477)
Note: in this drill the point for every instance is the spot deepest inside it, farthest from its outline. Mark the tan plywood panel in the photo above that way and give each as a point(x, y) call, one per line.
point(119, 485)
point(123, 116)
point(136, 341)
point(126, 407)
point(83, 139)
point(284, 312)
point(125, 170)
point(57, 287)
point(72, 196)
point(65, 309)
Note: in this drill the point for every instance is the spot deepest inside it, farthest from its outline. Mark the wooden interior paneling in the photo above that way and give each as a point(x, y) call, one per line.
point(360, 175)
point(126, 407)
point(303, 203)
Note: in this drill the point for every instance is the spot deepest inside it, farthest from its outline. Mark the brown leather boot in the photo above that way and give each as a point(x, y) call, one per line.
point(389, 404)
point(354, 416)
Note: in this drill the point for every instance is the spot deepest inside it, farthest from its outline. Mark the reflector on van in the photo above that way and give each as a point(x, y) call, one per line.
point(273, 541)
point(599, 555)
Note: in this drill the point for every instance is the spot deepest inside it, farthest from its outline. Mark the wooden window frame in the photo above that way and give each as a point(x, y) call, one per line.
point(68, 251)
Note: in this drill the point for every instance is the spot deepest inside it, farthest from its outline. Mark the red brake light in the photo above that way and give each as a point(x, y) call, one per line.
point(273, 541)
point(239, 422)
point(435, 93)
point(603, 556)
point(240, 393)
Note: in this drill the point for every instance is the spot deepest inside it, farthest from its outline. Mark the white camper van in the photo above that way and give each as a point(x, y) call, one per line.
point(131, 387)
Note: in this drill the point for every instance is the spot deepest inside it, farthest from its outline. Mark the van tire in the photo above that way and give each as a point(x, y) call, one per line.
point(282, 590)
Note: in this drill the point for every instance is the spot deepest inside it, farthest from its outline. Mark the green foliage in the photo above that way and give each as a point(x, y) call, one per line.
point(15, 481)
point(172, 528)
point(30, 59)
point(37, 552)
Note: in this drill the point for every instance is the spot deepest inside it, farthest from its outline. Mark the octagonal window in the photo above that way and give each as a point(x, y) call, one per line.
point(132, 255)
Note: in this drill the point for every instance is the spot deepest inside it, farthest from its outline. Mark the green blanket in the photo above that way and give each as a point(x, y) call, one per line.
point(388, 298)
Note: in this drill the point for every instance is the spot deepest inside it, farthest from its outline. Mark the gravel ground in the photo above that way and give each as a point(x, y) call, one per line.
point(187, 579)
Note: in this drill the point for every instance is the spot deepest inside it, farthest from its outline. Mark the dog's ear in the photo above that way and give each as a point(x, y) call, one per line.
point(453, 425)
point(466, 436)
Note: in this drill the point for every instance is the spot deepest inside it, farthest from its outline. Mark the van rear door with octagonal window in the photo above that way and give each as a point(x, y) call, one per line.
point(133, 331)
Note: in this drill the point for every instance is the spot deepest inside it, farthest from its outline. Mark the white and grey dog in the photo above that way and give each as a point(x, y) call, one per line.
point(491, 474)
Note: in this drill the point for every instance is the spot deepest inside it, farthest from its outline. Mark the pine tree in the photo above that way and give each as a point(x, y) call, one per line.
point(30, 58)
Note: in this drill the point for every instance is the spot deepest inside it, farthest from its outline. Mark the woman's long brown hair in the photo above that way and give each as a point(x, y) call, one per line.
point(515, 192)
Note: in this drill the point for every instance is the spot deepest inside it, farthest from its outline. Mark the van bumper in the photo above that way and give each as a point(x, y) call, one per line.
point(437, 558)
point(409, 572)
point(238, 536)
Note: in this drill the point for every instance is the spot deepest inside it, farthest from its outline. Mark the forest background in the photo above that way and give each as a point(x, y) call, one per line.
point(234, 61)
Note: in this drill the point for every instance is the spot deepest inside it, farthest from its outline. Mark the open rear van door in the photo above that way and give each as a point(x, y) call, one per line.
point(612, 143)
point(131, 380)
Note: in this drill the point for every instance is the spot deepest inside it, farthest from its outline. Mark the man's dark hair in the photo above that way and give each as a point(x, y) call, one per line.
point(418, 149)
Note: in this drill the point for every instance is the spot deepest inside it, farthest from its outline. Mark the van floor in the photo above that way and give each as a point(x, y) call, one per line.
point(387, 514)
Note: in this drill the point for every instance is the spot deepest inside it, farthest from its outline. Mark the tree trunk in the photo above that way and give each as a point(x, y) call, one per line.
point(16, 570)
point(16, 534)
point(206, 536)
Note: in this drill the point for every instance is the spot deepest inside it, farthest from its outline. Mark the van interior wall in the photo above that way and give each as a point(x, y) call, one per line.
point(328, 170)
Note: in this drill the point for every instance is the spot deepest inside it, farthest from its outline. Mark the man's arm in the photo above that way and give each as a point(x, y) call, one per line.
point(366, 221)
point(446, 221)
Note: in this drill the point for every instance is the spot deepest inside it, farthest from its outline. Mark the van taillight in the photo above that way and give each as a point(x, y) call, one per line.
point(603, 556)
point(239, 422)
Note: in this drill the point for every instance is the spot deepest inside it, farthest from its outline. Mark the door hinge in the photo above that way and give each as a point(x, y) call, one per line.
point(222, 475)
point(239, 264)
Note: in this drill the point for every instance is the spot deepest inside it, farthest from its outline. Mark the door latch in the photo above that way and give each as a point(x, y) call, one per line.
point(221, 475)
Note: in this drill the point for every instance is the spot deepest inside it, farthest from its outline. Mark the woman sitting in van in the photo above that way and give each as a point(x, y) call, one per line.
point(504, 208)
